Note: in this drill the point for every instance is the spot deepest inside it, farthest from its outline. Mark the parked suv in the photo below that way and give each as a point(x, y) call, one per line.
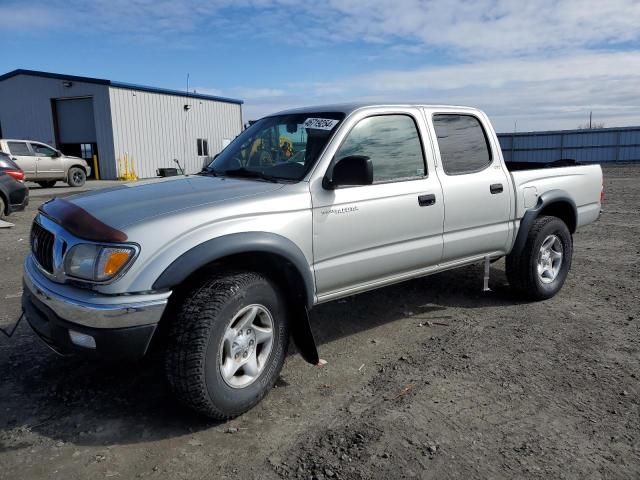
point(14, 195)
point(44, 164)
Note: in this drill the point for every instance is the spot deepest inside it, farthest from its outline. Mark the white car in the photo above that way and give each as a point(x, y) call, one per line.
point(44, 164)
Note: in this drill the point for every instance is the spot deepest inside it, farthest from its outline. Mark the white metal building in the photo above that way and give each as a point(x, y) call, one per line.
point(84, 116)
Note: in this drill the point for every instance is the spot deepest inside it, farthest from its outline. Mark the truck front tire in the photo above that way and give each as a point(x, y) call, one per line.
point(76, 177)
point(227, 344)
point(540, 269)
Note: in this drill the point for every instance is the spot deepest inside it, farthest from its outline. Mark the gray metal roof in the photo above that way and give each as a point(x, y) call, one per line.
point(128, 86)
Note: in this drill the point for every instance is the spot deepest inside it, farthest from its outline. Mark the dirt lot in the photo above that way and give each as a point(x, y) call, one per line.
point(428, 379)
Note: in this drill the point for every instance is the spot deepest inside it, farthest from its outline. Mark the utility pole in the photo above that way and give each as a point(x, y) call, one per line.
point(590, 118)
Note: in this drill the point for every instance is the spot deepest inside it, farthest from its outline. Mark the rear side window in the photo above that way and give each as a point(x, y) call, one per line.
point(19, 149)
point(463, 144)
point(392, 144)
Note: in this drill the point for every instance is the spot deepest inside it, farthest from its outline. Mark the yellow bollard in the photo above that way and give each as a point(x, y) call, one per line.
point(95, 167)
point(132, 173)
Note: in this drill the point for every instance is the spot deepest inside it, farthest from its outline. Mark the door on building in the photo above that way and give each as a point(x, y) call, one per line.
point(75, 128)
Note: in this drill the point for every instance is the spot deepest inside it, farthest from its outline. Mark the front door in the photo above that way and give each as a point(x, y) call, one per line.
point(24, 157)
point(49, 162)
point(371, 233)
point(475, 186)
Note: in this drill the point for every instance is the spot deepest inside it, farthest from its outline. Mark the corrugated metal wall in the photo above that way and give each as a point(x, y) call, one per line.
point(154, 128)
point(25, 112)
point(599, 145)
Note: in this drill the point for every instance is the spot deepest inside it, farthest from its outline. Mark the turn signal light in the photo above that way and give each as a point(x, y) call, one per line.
point(114, 261)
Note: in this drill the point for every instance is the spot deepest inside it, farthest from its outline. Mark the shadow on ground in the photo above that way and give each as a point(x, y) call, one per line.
point(72, 400)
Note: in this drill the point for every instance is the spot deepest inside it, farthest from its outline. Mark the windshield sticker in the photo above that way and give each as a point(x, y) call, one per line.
point(320, 123)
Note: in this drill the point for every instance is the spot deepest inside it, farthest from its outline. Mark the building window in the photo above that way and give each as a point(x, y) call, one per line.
point(203, 147)
point(86, 150)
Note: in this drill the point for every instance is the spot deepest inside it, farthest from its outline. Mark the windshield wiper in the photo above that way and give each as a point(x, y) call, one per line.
point(246, 173)
point(208, 171)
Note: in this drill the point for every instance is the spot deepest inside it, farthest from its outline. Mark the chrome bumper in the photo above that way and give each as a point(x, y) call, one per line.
point(91, 309)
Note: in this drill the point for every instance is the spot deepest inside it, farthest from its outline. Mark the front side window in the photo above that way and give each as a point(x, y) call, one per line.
point(279, 147)
point(19, 149)
point(391, 142)
point(43, 150)
point(463, 144)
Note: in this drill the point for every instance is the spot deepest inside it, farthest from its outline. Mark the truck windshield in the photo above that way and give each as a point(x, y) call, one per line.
point(281, 147)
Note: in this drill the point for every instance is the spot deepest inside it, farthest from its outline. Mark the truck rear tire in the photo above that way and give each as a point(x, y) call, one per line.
point(227, 344)
point(540, 269)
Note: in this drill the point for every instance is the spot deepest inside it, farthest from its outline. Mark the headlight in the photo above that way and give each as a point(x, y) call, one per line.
point(97, 263)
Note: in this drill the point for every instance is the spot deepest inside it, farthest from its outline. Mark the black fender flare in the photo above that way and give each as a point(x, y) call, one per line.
point(547, 198)
point(264, 242)
point(236, 243)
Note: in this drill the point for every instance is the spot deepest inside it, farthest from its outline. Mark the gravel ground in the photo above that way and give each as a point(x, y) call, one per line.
point(427, 379)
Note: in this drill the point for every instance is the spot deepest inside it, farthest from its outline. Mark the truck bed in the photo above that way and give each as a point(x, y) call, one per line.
point(582, 183)
point(517, 166)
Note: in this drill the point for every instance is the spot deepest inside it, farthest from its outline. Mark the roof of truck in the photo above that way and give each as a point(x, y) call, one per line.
point(348, 108)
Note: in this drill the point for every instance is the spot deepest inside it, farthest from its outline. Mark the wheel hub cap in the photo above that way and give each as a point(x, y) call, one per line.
point(550, 259)
point(246, 346)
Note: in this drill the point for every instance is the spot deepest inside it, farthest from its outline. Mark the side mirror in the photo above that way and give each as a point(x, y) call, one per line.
point(354, 170)
point(58, 154)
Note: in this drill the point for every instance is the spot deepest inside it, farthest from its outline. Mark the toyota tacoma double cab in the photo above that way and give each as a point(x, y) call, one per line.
point(219, 269)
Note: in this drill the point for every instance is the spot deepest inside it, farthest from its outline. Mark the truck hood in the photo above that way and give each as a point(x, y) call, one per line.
point(132, 203)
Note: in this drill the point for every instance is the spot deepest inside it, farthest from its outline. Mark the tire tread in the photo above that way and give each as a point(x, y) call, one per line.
point(188, 338)
point(519, 266)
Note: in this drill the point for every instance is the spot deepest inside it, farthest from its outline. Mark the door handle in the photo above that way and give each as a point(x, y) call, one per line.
point(496, 188)
point(426, 200)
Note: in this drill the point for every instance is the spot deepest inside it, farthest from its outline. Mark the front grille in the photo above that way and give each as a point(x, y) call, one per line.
point(42, 246)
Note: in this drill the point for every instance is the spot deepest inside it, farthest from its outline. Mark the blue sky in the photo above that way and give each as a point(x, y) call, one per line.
point(532, 65)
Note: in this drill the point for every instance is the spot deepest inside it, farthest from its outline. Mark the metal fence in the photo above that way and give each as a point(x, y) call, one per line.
point(586, 146)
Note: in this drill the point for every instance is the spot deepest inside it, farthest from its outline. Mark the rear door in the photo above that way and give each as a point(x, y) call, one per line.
point(366, 235)
point(50, 165)
point(475, 186)
point(25, 158)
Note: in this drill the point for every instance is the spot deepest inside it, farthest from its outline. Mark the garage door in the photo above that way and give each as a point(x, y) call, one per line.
point(75, 121)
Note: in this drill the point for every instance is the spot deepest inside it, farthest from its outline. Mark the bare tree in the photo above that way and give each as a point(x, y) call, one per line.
point(593, 126)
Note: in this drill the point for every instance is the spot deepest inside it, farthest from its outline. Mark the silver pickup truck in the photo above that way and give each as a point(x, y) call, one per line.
point(218, 269)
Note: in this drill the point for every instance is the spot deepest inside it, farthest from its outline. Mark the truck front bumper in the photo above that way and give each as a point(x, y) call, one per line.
point(70, 319)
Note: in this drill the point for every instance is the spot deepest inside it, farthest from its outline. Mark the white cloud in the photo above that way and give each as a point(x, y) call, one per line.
point(478, 28)
point(537, 92)
point(544, 63)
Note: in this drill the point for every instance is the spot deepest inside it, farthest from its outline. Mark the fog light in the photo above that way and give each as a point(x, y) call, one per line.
point(82, 340)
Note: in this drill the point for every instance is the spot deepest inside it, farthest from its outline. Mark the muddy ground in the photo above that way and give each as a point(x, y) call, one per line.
point(428, 379)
